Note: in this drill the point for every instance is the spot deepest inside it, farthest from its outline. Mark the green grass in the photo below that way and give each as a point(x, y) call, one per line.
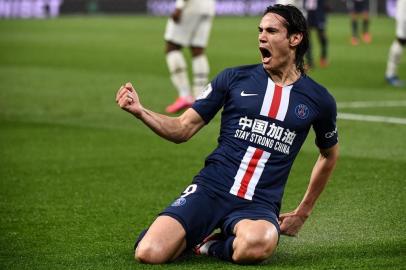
point(79, 178)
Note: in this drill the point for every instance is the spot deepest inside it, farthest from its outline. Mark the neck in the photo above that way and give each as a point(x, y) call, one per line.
point(284, 76)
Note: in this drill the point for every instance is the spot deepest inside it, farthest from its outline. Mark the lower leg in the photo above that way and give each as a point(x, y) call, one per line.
point(201, 69)
point(354, 26)
point(323, 43)
point(178, 71)
point(354, 32)
point(179, 76)
point(253, 242)
point(366, 36)
point(365, 23)
point(222, 249)
point(309, 54)
point(395, 54)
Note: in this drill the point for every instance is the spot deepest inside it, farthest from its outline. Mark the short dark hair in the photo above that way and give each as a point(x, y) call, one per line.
point(295, 23)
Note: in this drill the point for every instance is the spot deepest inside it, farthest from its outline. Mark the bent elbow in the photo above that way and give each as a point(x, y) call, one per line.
point(180, 139)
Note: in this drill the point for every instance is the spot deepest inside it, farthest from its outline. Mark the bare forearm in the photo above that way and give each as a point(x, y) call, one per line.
point(165, 126)
point(322, 171)
point(175, 129)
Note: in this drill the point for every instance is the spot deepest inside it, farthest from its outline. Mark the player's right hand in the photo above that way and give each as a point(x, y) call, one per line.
point(127, 99)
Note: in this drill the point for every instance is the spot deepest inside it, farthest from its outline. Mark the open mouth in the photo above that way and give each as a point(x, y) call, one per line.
point(266, 54)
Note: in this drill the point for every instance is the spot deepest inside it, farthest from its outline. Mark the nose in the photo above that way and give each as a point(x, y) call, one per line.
point(261, 37)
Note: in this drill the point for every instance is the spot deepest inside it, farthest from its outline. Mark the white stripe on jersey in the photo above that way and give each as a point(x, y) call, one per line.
point(257, 174)
point(283, 107)
point(251, 171)
point(283, 104)
point(266, 104)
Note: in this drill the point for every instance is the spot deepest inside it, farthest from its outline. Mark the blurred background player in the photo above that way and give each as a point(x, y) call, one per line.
point(296, 3)
point(357, 9)
point(316, 19)
point(188, 26)
point(396, 49)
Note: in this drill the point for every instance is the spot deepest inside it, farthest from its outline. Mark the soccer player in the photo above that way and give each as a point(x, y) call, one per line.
point(268, 110)
point(297, 3)
point(358, 8)
point(396, 49)
point(189, 26)
point(316, 19)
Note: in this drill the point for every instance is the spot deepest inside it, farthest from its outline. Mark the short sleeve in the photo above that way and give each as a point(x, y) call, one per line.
point(212, 98)
point(325, 126)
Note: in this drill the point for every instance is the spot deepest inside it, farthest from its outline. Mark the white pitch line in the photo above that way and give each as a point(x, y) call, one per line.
point(369, 104)
point(372, 118)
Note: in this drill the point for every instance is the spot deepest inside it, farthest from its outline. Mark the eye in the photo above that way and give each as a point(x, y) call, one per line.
point(270, 30)
point(260, 30)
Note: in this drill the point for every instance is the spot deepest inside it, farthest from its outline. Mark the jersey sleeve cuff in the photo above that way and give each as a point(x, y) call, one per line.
point(326, 145)
point(201, 114)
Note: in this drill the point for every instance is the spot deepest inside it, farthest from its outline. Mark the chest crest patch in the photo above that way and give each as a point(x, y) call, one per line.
point(302, 111)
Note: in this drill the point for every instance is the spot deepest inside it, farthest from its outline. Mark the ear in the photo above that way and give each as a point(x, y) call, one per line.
point(295, 39)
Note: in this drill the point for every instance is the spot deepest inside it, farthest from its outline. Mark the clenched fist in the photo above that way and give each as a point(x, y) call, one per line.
point(127, 99)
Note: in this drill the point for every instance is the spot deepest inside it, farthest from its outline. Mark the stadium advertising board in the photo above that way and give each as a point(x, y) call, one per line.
point(30, 8)
point(53, 8)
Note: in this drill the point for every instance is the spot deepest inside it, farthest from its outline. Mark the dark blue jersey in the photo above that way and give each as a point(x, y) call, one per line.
point(263, 127)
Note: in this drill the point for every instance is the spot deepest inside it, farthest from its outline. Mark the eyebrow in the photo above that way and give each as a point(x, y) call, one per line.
point(267, 29)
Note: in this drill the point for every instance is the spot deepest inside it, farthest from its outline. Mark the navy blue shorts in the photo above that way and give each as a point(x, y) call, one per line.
point(316, 19)
point(201, 211)
point(358, 6)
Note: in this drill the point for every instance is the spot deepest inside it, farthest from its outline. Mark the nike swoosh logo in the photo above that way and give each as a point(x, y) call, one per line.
point(243, 94)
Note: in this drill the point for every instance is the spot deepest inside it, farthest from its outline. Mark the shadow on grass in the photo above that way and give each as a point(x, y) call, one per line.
point(348, 256)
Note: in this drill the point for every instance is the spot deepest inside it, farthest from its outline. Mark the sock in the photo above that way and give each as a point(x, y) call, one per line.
point(365, 26)
point(178, 70)
point(324, 44)
point(223, 249)
point(354, 27)
point(395, 54)
point(139, 238)
point(309, 54)
point(201, 70)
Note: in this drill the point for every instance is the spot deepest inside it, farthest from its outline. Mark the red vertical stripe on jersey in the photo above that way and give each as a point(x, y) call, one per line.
point(276, 101)
point(249, 172)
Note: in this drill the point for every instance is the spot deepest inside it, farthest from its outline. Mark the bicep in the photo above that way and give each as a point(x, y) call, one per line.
point(190, 122)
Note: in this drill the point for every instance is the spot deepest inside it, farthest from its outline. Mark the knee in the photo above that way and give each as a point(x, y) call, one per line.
point(253, 250)
point(170, 46)
point(255, 246)
point(402, 41)
point(150, 254)
point(197, 51)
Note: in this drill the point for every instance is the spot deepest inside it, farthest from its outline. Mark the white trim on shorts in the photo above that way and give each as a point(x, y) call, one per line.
point(401, 19)
point(193, 30)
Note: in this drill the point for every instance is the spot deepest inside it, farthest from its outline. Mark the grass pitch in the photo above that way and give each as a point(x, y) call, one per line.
point(79, 178)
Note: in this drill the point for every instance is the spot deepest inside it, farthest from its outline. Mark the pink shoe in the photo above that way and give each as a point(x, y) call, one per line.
point(367, 38)
point(354, 41)
point(203, 247)
point(323, 62)
point(179, 104)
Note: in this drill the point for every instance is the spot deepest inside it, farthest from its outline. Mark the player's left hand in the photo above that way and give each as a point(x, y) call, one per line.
point(291, 223)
